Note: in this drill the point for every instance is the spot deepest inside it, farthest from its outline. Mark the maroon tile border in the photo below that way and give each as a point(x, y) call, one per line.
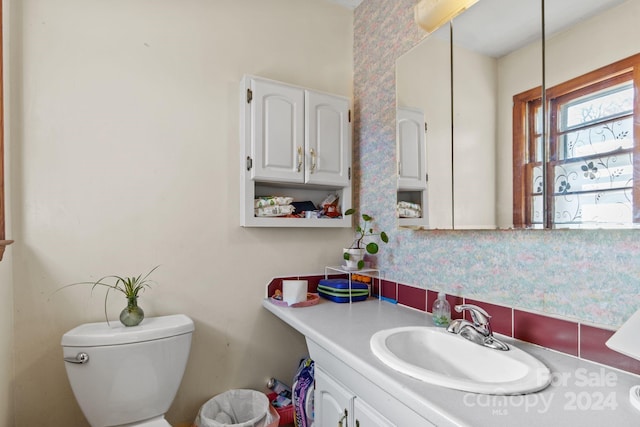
point(312, 286)
point(389, 289)
point(584, 341)
point(453, 301)
point(501, 317)
point(550, 332)
point(412, 297)
point(313, 282)
point(432, 296)
point(593, 347)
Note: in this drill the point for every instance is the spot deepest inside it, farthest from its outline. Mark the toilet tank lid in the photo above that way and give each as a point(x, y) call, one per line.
point(151, 328)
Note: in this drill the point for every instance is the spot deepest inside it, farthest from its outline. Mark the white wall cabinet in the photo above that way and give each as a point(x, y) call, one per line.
point(412, 162)
point(296, 142)
point(335, 405)
point(412, 158)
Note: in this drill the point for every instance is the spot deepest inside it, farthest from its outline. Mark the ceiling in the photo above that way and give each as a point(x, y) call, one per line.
point(497, 27)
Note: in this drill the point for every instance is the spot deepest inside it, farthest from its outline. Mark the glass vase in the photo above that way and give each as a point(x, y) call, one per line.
point(132, 315)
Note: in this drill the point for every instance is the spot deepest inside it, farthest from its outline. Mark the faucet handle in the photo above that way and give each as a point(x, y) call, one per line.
point(479, 316)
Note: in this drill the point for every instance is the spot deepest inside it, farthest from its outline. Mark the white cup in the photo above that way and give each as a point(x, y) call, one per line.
point(294, 291)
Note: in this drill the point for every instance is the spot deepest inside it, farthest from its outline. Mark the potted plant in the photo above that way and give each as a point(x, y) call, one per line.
point(131, 287)
point(354, 254)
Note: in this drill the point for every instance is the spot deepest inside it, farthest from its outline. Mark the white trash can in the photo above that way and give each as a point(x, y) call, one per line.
point(237, 408)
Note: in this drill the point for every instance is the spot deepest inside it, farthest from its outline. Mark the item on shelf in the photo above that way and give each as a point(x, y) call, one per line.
point(340, 290)
point(408, 210)
point(264, 201)
point(276, 298)
point(361, 278)
point(305, 206)
point(441, 310)
point(363, 242)
point(294, 291)
point(276, 210)
point(330, 206)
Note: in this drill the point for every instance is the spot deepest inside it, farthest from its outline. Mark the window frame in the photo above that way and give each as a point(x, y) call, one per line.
point(590, 82)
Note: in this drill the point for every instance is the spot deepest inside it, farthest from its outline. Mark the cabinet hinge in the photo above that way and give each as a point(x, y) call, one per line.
point(249, 163)
point(349, 174)
point(249, 96)
point(349, 116)
point(425, 126)
point(426, 177)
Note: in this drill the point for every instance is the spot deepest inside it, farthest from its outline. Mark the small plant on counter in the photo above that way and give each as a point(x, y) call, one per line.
point(131, 287)
point(354, 255)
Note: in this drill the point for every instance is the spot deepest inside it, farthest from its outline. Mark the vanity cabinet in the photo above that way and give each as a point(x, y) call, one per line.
point(335, 405)
point(295, 142)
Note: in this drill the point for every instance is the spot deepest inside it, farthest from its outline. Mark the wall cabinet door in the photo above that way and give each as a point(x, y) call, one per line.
point(333, 404)
point(412, 158)
point(276, 131)
point(298, 135)
point(328, 139)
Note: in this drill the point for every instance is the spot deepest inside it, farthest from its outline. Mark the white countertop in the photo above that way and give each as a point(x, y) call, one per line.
point(581, 393)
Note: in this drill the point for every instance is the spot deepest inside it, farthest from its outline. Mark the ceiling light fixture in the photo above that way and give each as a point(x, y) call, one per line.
point(432, 14)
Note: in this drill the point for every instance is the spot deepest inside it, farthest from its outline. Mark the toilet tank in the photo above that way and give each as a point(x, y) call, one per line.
point(132, 373)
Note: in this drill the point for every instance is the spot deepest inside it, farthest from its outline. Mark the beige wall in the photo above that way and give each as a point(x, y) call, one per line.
point(126, 156)
point(6, 265)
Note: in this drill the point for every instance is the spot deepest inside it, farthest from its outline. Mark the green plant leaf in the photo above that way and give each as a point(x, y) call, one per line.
point(360, 264)
point(384, 237)
point(367, 217)
point(372, 248)
point(350, 211)
point(346, 256)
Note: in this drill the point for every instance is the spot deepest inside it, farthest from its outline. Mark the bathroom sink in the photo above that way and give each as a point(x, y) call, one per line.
point(436, 356)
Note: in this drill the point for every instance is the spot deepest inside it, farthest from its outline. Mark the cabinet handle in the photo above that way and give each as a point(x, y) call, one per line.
point(344, 418)
point(300, 159)
point(313, 160)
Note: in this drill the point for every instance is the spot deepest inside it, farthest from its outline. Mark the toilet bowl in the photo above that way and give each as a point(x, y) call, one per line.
point(127, 376)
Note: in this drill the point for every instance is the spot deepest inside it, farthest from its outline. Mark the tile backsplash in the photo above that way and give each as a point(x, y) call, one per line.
point(563, 335)
point(590, 275)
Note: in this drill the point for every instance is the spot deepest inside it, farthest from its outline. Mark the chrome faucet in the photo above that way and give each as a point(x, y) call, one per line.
point(478, 330)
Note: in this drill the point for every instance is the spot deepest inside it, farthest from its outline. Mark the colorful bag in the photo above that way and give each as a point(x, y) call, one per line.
point(303, 394)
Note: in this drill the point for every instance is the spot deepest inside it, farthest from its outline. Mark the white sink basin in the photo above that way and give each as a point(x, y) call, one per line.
point(439, 357)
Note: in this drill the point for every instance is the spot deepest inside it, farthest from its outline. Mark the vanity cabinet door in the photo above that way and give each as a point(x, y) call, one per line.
point(327, 138)
point(276, 131)
point(412, 158)
point(333, 404)
point(365, 416)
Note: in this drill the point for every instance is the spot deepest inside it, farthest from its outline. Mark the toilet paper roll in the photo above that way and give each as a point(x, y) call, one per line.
point(294, 291)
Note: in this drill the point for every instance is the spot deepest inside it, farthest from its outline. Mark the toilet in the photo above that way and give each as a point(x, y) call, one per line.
point(127, 376)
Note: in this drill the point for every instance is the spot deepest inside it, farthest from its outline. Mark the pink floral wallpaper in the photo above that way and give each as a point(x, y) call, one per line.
point(591, 276)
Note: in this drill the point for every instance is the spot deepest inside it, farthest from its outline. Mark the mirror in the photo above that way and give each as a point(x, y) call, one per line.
point(591, 75)
point(496, 55)
point(423, 86)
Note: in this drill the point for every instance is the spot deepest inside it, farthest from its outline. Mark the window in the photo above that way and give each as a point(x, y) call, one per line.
point(594, 124)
